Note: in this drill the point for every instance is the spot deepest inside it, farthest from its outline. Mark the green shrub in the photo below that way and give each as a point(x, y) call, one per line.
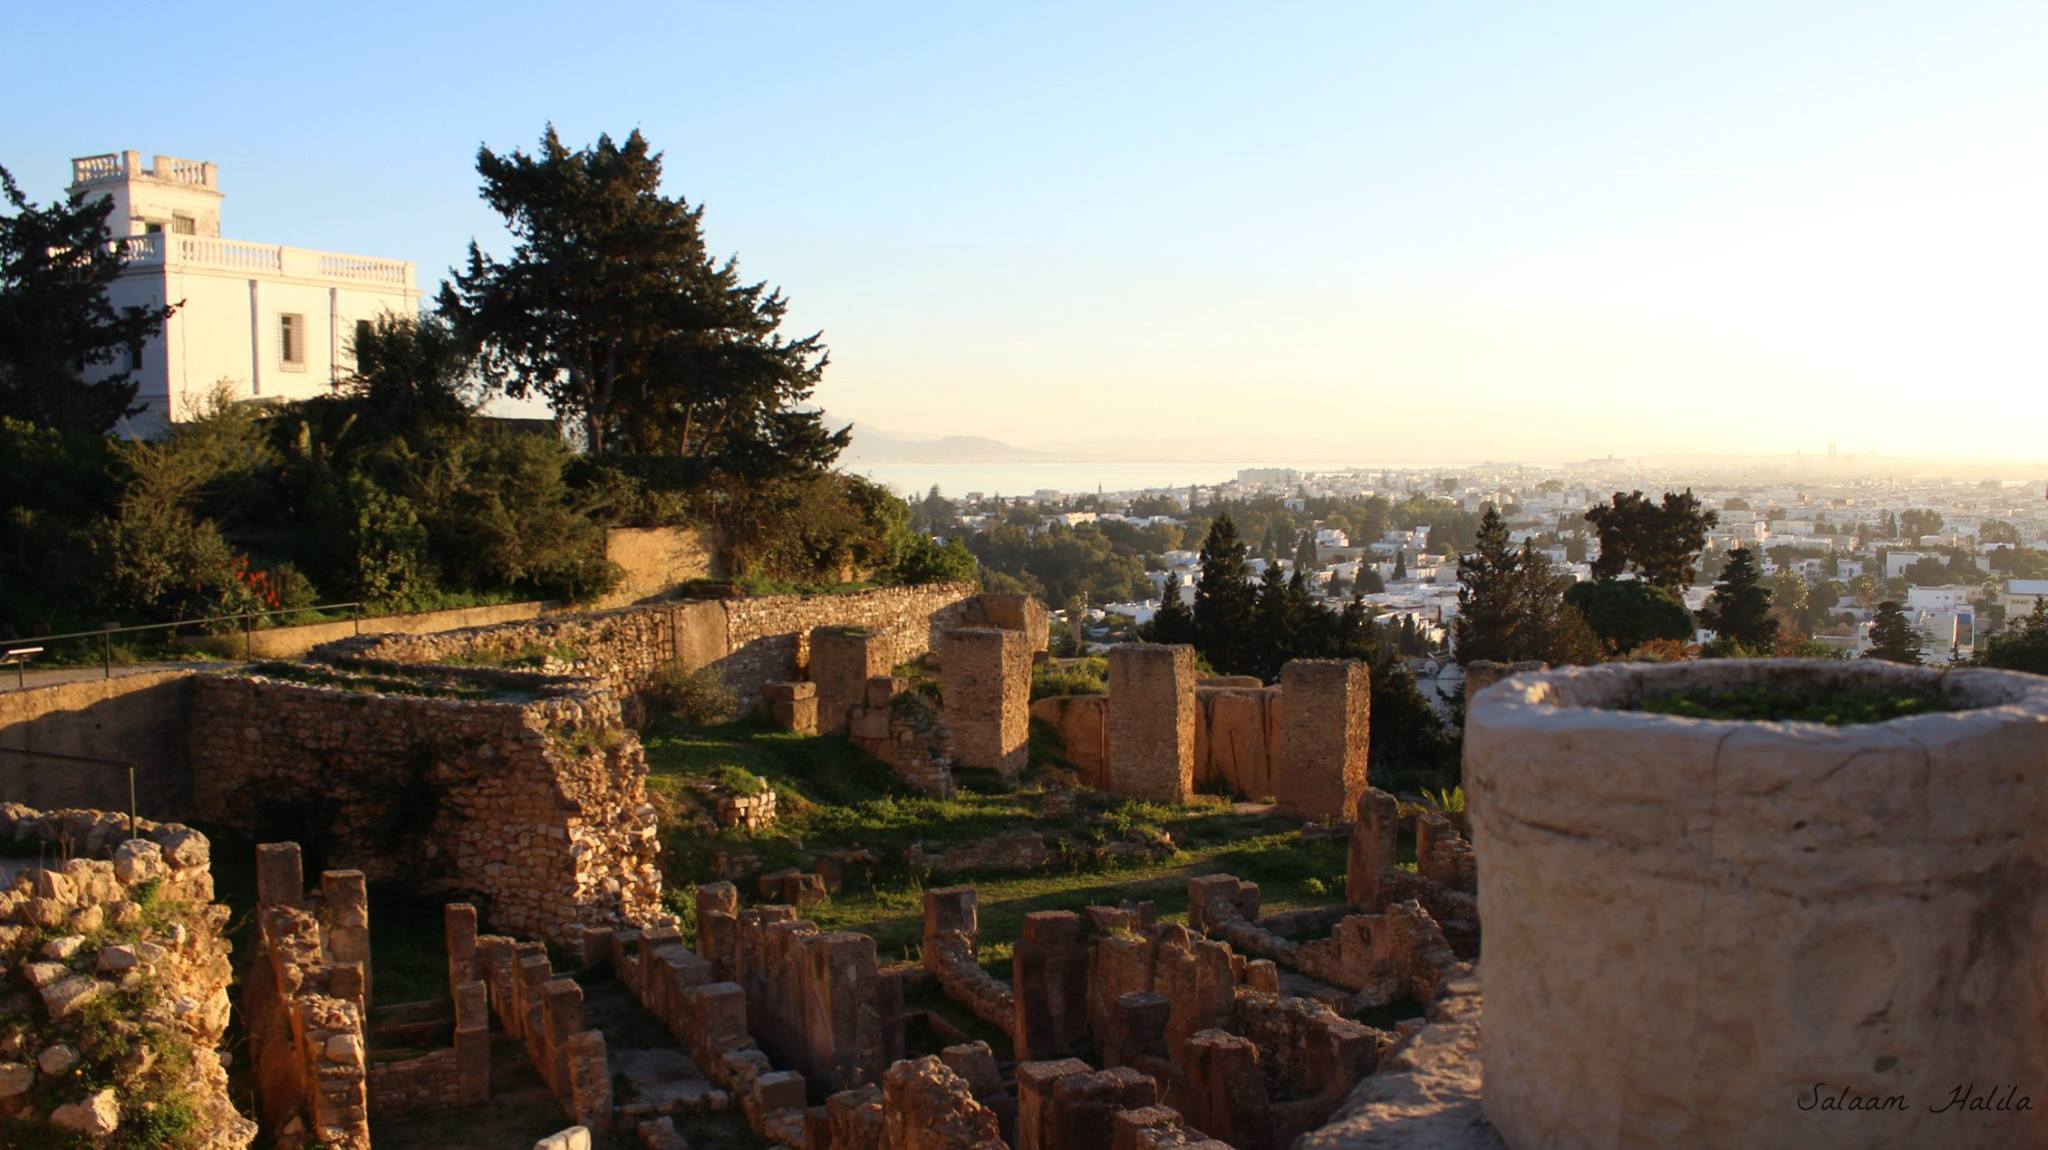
point(1070, 677)
point(699, 697)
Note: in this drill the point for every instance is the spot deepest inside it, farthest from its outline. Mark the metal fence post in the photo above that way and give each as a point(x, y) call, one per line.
point(107, 653)
point(249, 637)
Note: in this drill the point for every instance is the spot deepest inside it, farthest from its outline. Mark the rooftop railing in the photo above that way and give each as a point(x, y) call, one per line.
point(117, 165)
point(168, 249)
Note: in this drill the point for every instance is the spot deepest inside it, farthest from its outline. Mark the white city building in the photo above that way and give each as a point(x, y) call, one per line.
point(270, 322)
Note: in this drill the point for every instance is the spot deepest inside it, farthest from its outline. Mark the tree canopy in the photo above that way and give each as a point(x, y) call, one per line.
point(1660, 542)
point(1739, 610)
point(56, 321)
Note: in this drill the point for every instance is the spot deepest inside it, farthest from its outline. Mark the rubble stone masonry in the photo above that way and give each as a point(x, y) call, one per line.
point(537, 807)
point(986, 676)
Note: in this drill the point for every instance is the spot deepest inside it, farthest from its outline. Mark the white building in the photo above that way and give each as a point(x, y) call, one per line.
point(272, 323)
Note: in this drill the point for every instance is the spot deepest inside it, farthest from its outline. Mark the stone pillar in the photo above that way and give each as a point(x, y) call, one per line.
point(347, 902)
point(1375, 834)
point(1325, 721)
point(280, 875)
point(1225, 1096)
point(947, 910)
point(1483, 673)
point(843, 659)
point(1137, 1028)
point(458, 926)
point(793, 706)
point(986, 675)
point(1035, 1085)
point(589, 1097)
point(1152, 721)
point(925, 1106)
point(472, 1044)
point(1049, 976)
point(718, 911)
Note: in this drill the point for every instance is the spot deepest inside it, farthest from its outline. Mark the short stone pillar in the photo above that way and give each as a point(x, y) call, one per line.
point(1049, 984)
point(1225, 1096)
point(347, 900)
point(843, 659)
point(280, 875)
point(985, 673)
point(1152, 721)
point(1375, 837)
point(1325, 723)
point(792, 706)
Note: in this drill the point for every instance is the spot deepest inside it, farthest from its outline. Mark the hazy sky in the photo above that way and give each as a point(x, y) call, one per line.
point(1418, 230)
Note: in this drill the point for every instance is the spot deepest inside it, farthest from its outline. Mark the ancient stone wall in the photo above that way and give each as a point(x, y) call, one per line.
point(139, 718)
point(904, 730)
point(305, 1006)
point(751, 641)
point(1082, 724)
point(1398, 954)
point(1238, 737)
point(951, 928)
point(1152, 721)
point(535, 806)
point(842, 660)
point(985, 673)
point(545, 1014)
point(1446, 878)
point(104, 920)
point(1020, 613)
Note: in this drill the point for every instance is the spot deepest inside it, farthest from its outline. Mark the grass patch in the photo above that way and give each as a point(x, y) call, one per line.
point(1767, 704)
point(830, 796)
point(428, 686)
point(1070, 677)
point(529, 656)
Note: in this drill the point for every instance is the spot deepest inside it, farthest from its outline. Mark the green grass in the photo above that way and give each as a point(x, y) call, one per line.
point(831, 796)
point(424, 684)
point(1070, 677)
point(1763, 703)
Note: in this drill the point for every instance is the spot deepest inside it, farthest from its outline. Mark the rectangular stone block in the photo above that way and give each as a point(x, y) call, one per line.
point(280, 875)
point(986, 676)
point(843, 659)
point(1325, 724)
point(1152, 721)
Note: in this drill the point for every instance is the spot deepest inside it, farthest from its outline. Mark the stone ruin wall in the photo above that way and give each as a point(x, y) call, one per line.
point(1445, 881)
point(537, 808)
point(1238, 733)
point(109, 917)
point(752, 641)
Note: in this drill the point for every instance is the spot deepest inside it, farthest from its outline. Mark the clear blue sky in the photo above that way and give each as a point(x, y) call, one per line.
point(1417, 230)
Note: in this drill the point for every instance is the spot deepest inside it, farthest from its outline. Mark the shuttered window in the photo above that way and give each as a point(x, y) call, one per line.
point(291, 341)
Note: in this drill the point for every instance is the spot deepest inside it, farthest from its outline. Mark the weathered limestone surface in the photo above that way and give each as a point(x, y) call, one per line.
point(74, 937)
point(1690, 923)
point(926, 1106)
point(140, 718)
point(792, 705)
point(537, 806)
point(1425, 1094)
point(1020, 613)
point(1152, 721)
point(843, 659)
point(1238, 736)
point(1325, 725)
point(986, 676)
point(951, 923)
point(1082, 724)
point(905, 730)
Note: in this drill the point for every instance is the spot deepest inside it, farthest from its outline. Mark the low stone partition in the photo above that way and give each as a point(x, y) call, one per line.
point(306, 999)
point(1015, 851)
point(100, 921)
point(1385, 957)
point(139, 717)
point(951, 929)
point(1754, 933)
point(541, 1011)
point(533, 804)
point(1238, 736)
point(1445, 880)
point(1081, 722)
point(1426, 1090)
point(793, 706)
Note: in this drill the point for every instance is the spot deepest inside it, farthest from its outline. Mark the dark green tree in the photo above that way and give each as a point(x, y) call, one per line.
point(1489, 592)
point(1224, 595)
point(2024, 647)
point(1892, 637)
point(1305, 552)
point(612, 307)
point(1917, 521)
point(1174, 622)
point(1400, 565)
point(1626, 613)
point(55, 318)
point(1660, 542)
point(1739, 610)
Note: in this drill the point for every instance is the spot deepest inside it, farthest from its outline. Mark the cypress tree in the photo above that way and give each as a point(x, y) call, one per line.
point(1892, 637)
point(1488, 590)
point(1740, 608)
point(1223, 596)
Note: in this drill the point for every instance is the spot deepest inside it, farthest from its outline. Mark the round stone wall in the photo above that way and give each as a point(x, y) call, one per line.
point(1750, 934)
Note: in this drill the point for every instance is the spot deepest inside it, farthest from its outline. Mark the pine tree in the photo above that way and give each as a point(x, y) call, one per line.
point(1223, 596)
point(1400, 565)
point(1489, 586)
point(1173, 622)
point(1892, 636)
point(1739, 610)
point(55, 320)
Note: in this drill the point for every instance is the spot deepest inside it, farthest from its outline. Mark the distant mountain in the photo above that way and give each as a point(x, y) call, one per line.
point(873, 446)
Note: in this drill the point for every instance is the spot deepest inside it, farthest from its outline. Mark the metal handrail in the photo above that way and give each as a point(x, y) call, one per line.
point(246, 618)
point(90, 761)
